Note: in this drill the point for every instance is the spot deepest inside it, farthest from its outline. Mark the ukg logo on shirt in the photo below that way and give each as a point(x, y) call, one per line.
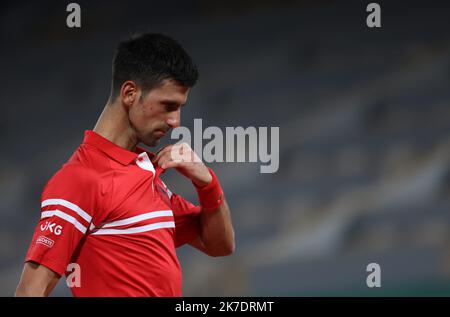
point(52, 227)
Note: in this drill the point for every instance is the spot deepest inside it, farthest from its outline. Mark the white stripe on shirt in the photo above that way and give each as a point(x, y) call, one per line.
point(62, 215)
point(69, 205)
point(134, 219)
point(150, 227)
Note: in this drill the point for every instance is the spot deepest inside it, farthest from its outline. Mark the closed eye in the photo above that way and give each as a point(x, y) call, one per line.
point(171, 106)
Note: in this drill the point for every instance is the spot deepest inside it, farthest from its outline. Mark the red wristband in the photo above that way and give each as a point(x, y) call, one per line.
point(210, 196)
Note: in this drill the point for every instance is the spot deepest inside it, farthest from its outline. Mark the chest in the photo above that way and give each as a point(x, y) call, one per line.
point(137, 192)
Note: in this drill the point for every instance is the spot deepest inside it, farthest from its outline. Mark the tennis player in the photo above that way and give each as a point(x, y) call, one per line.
point(107, 209)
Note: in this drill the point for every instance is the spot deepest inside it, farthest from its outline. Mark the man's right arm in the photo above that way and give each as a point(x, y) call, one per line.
point(68, 202)
point(36, 281)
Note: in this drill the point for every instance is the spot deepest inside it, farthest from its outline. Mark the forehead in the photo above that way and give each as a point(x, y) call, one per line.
point(169, 90)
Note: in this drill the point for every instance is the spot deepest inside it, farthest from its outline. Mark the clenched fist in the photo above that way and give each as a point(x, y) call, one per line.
point(184, 160)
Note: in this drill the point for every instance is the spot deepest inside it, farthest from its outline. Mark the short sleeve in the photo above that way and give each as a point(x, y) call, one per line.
point(187, 220)
point(68, 203)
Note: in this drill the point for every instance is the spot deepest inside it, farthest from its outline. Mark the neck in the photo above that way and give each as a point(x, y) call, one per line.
point(113, 125)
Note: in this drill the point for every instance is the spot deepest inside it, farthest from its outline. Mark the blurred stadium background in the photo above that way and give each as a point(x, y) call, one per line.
point(364, 117)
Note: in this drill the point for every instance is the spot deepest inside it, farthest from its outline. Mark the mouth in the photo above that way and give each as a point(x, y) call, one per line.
point(160, 132)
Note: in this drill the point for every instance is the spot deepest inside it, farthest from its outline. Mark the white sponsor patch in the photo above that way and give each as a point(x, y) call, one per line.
point(45, 241)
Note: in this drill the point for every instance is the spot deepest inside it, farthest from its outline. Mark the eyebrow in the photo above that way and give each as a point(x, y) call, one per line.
point(172, 102)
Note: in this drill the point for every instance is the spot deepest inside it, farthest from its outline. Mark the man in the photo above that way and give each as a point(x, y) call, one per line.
point(107, 209)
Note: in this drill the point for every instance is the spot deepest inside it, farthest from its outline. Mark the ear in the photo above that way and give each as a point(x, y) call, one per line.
point(129, 93)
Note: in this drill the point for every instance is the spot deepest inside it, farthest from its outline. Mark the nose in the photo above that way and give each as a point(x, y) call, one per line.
point(173, 119)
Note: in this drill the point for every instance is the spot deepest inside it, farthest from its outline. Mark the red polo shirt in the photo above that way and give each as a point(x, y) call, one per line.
point(108, 211)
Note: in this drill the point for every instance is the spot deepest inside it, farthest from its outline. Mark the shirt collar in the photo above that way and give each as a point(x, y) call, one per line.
point(114, 151)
